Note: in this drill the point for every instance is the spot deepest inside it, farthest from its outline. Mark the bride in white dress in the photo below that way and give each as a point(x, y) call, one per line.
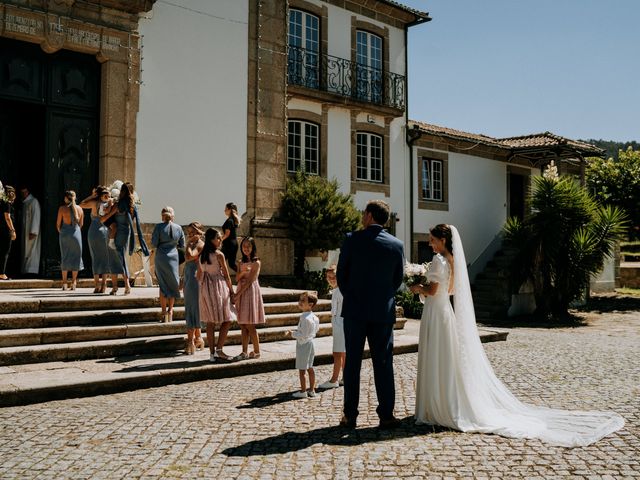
point(456, 386)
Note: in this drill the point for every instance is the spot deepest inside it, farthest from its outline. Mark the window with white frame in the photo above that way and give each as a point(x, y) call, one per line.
point(369, 159)
point(368, 66)
point(432, 180)
point(302, 147)
point(304, 48)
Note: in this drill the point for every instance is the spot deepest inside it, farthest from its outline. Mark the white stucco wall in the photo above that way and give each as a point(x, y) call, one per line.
point(192, 123)
point(477, 202)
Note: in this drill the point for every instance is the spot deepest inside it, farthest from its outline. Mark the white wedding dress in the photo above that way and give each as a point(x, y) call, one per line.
point(457, 388)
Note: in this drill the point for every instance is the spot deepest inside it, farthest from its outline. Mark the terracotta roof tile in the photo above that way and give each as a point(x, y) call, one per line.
point(452, 133)
point(523, 142)
point(417, 13)
point(548, 139)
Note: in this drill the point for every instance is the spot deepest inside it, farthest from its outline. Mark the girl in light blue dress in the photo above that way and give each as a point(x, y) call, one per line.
point(191, 289)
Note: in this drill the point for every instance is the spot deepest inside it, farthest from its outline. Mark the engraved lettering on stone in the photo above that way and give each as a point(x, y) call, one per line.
point(18, 24)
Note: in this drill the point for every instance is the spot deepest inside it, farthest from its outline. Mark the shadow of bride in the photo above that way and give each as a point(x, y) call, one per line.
point(334, 435)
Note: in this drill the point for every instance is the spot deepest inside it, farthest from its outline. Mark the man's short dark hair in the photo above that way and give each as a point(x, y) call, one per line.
point(379, 210)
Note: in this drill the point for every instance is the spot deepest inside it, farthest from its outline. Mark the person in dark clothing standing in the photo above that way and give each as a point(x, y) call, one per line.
point(229, 235)
point(7, 228)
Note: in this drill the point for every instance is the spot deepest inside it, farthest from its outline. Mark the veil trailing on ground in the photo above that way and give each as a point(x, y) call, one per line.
point(488, 405)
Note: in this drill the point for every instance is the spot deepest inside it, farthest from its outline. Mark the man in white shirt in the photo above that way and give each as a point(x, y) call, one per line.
point(30, 233)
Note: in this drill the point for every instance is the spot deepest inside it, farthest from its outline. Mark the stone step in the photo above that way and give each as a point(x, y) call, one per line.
point(38, 301)
point(122, 315)
point(71, 334)
point(44, 382)
point(59, 352)
point(33, 283)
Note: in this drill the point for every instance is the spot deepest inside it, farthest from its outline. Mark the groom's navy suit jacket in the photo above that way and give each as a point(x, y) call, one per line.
point(370, 271)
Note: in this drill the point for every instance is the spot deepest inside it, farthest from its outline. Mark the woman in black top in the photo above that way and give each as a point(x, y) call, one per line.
point(229, 237)
point(7, 228)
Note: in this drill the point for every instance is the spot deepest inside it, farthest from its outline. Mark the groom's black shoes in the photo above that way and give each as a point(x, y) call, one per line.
point(389, 423)
point(347, 422)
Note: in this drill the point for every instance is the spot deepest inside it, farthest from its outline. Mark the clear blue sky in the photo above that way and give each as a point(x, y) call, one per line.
point(515, 67)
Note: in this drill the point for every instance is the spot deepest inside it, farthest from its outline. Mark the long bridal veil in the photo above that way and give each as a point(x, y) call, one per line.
point(491, 407)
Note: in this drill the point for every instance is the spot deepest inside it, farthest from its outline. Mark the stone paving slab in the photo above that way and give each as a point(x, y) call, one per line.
point(250, 427)
point(22, 384)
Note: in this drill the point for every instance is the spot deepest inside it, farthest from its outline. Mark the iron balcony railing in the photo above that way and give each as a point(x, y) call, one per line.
point(345, 78)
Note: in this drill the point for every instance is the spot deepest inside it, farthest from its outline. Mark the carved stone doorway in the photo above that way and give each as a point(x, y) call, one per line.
point(49, 132)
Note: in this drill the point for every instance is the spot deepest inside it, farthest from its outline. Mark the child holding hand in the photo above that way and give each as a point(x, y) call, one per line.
point(308, 327)
point(337, 327)
point(215, 293)
point(248, 298)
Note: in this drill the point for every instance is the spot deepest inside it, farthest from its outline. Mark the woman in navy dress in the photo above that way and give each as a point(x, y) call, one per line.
point(167, 237)
point(69, 222)
point(229, 236)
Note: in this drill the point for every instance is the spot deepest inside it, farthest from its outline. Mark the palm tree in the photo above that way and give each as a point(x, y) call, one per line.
point(562, 242)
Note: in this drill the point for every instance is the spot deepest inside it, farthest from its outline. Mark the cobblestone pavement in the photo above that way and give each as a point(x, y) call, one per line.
point(249, 428)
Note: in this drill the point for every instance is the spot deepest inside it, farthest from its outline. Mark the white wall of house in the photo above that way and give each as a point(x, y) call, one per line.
point(192, 123)
point(477, 202)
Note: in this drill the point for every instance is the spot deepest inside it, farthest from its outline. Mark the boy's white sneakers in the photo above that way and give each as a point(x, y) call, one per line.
point(311, 393)
point(328, 384)
point(300, 394)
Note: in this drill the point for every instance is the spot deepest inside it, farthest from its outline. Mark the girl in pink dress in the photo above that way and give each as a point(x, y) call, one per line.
point(249, 299)
point(216, 293)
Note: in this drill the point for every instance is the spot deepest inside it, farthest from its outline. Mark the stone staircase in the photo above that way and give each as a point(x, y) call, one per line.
point(491, 291)
point(51, 326)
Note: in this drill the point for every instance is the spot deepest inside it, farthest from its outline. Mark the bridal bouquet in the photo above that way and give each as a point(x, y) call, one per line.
point(416, 273)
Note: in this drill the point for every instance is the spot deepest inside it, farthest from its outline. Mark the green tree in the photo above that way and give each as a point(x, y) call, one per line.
point(562, 242)
point(318, 215)
point(617, 182)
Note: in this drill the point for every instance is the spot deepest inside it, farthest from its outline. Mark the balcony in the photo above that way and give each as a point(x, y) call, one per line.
point(343, 77)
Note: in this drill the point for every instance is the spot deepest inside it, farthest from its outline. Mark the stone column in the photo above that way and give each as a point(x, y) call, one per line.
point(266, 127)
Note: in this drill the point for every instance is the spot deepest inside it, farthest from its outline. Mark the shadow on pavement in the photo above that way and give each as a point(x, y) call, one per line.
point(268, 401)
point(611, 303)
point(335, 435)
point(163, 366)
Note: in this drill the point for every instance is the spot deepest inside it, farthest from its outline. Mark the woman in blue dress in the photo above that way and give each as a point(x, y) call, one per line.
point(100, 204)
point(69, 222)
point(167, 237)
point(124, 214)
point(191, 288)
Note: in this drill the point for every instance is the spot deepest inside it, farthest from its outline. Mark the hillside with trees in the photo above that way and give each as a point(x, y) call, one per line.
point(612, 148)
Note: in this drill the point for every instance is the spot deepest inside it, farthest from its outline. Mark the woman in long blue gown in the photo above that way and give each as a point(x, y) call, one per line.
point(98, 237)
point(167, 237)
point(125, 214)
point(69, 222)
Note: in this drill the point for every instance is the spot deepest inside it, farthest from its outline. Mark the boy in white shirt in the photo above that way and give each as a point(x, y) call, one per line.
point(337, 324)
point(308, 326)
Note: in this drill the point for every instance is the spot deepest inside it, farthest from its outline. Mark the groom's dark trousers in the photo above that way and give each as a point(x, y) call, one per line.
point(370, 271)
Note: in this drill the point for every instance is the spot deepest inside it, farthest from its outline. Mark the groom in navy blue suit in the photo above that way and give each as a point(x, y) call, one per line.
point(370, 271)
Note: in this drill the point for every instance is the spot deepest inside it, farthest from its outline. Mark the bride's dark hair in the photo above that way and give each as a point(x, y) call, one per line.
point(443, 231)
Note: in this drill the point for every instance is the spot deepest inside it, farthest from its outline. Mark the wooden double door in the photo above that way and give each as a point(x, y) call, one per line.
point(49, 132)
